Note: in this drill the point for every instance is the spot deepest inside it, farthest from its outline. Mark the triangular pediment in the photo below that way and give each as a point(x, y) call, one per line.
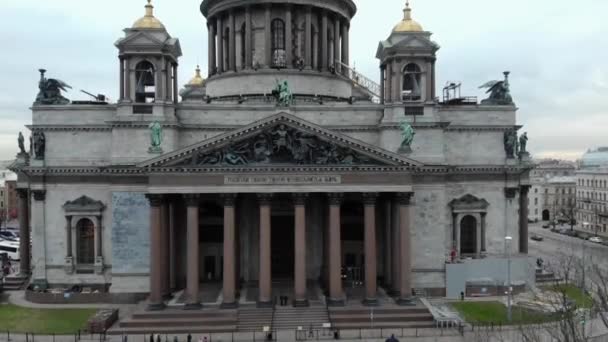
point(280, 140)
point(140, 38)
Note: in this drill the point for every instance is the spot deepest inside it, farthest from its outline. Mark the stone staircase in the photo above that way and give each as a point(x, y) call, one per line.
point(15, 283)
point(381, 317)
point(546, 278)
point(177, 322)
point(252, 319)
point(290, 318)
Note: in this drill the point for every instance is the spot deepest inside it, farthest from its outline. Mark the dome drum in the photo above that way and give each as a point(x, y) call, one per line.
point(276, 37)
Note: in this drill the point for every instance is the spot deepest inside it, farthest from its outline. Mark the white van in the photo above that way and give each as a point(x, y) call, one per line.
point(11, 248)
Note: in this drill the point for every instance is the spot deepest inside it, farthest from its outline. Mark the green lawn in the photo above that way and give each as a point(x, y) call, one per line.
point(581, 299)
point(496, 312)
point(43, 321)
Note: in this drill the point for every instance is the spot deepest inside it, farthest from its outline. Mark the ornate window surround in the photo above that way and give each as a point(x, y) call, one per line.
point(469, 205)
point(83, 208)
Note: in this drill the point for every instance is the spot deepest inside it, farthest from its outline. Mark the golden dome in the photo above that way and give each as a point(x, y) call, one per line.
point(408, 24)
point(197, 80)
point(148, 21)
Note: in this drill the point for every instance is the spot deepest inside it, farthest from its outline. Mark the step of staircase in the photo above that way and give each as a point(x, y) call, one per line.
point(395, 317)
point(291, 318)
point(178, 322)
point(15, 283)
point(252, 319)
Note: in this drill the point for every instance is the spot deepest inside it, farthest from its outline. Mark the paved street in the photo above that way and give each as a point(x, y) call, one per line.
point(555, 245)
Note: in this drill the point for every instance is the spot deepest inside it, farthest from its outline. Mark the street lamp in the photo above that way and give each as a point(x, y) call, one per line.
point(508, 240)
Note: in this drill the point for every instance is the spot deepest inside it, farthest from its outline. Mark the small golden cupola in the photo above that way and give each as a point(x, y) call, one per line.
point(197, 80)
point(408, 24)
point(148, 21)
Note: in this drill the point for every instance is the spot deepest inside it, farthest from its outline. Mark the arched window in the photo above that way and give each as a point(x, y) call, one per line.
point(146, 84)
point(412, 83)
point(85, 230)
point(279, 58)
point(468, 235)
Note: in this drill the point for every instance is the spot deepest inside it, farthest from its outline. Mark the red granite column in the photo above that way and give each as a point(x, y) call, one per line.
point(301, 298)
point(369, 202)
point(24, 232)
point(336, 297)
point(193, 301)
point(164, 251)
point(265, 276)
point(156, 296)
point(405, 248)
point(229, 288)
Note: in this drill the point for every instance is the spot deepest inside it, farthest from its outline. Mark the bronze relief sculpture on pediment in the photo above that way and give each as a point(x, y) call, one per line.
point(281, 144)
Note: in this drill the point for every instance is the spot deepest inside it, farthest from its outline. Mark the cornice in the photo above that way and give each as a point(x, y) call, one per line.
point(70, 128)
point(500, 128)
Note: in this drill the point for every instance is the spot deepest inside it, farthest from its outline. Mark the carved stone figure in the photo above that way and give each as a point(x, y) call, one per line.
point(283, 95)
point(500, 93)
point(39, 145)
point(50, 91)
point(523, 143)
point(156, 137)
point(408, 133)
point(21, 142)
point(280, 145)
point(510, 141)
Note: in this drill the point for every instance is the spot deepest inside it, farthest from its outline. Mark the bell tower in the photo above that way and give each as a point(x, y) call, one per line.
point(407, 64)
point(148, 58)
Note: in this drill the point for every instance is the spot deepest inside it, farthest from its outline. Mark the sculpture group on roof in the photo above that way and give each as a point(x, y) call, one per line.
point(50, 91)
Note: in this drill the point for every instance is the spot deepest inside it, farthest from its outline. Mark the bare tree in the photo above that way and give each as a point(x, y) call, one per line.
point(574, 322)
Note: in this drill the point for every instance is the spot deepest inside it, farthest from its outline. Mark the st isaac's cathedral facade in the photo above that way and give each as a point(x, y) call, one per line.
point(284, 169)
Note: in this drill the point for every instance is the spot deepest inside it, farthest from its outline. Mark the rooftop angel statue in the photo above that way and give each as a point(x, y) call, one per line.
point(500, 93)
point(50, 91)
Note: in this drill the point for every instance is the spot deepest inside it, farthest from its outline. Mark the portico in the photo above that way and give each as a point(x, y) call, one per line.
point(267, 202)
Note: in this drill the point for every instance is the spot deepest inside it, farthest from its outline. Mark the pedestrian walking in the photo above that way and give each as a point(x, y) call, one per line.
point(392, 339)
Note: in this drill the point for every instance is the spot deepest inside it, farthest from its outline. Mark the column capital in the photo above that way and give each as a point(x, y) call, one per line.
point(335, 198)
point(370, 198)
point(264, 199)
point(299, 198)
point(511, 192)
point(22, 193)
point(156, 200)
point(228, 199)
point(191, 200)
point(39, 195)
point(404, 198)
point(524, 189)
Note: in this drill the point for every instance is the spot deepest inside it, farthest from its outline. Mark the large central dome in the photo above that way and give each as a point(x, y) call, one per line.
point(253, 44)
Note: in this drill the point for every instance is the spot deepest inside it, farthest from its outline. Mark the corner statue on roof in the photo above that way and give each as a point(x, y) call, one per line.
point(50, 91)
point(408, 133)
point(500, 93)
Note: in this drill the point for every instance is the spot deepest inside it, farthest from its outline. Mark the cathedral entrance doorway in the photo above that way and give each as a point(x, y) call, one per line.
point(283, 243)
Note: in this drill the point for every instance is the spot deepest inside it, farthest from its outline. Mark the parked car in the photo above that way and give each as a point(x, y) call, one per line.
point(545, 226)
point(536, 237)
point(595, 239)
point(570, 232)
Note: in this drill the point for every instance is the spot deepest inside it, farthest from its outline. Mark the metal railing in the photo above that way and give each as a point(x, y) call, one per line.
point(359, 79)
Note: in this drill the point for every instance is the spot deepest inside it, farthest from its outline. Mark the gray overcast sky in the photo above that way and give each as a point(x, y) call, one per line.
point(556, 50)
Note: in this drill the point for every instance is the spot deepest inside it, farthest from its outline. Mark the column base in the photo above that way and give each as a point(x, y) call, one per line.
point(167, 297)
point(301, 303)
point(264, 305)
point(155, 307)
point(335, 302)
point(370, 302)
point(232, 305)
point(405, 302)
point(393, 293)
point(193, 306)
